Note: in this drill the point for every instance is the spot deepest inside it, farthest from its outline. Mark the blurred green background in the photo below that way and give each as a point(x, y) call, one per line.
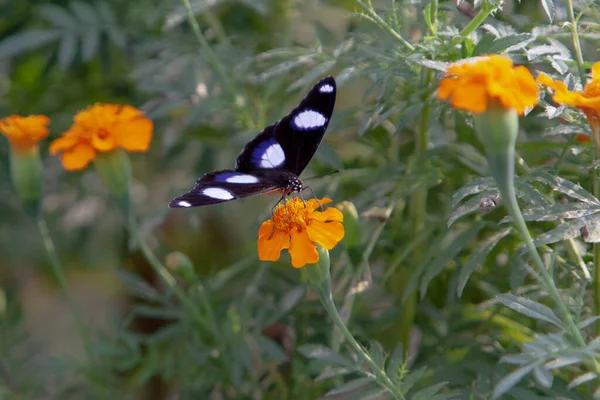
point(401, 161)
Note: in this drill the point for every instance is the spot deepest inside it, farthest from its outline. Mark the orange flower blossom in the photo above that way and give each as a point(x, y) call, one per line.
point(472, 84)
point(296, 226)
point(587, 101)
point(24, 133)
point(102, 128)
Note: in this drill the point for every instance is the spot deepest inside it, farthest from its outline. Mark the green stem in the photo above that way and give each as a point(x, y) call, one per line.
point(576, 43)
point(481, 16)
point(381, 376)
point(168, 279)
point(508, 194)
point(572, 247)
point(59, 275)
point(370, 12)
point(434, 16)
point(418, 210)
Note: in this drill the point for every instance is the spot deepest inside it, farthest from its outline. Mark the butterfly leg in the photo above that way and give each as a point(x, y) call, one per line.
point(313, 195)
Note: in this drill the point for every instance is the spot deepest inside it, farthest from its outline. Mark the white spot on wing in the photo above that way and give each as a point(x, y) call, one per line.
point(241, 178)
point(309, 119)
point(217, 193)
point(326, 88)
point(184, 203)
point(272, 157)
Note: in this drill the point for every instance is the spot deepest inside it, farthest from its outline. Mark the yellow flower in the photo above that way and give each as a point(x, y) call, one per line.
point(587, 101)
point(24, 133)
point(297, 227)
point(102, 128)
point(471, 85)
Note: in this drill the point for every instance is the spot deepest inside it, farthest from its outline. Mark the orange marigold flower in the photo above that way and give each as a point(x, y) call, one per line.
point(587, 101)
point(102, 128)
point(24, 133)
point(472, 84)
point(296, 226)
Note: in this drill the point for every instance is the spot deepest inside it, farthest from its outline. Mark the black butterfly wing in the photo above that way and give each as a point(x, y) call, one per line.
point(289, 144)
point(300, 132)
point(226, 185)
point(270, 161)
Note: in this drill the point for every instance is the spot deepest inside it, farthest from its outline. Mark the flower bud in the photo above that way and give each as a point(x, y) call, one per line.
point(26, 175)
point(181, 265)
point(498, 128)
point(114, 169)
point(318, 275)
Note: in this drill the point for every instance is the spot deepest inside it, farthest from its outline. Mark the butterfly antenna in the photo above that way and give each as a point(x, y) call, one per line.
point(321, 176)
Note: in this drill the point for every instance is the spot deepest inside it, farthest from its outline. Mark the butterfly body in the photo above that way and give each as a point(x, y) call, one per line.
point(274, 159)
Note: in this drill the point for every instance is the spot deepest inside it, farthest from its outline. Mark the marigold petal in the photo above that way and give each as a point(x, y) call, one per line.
point(78, 156)
point(302, 250)
point(327, 234)
point(62, 143)
point(128, 112)
point(24, 133)
point(471, 84)
point(134, 134)
point(313, 204)
point(446, 88)
point(331, 214)
point(270, 243)
point(103, 141)
point(472, 97)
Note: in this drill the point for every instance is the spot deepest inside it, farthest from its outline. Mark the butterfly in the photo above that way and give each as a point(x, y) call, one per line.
point(274, 159)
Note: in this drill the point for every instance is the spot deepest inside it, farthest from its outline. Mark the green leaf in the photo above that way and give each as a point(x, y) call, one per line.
point(475, 203)
point(270, 348)
point(510, 380)
point(549, 9)
point(58, 16)
point(67, 50)
point(310, 77)
point(478, 258)
point(565, 231)
point(412, 378)
point(291, 299)
point(558, 211)
point(477, 186)
point(543, 376)
point(563, 186)
point(350, 386)
point(587, 322)
point(395, 363)
point(530, 194)
point(564, 361)
point(324, 353)
point(510, 43)
point(448, 253)
point(89, 43)
point(117, 37)
point(29, 40)
point(376, 352)
point(583, 378)
point(84, 12)
point(484, 44)
point(429, 392)
point(106, 12)
point(530, 308)
point(329, 373)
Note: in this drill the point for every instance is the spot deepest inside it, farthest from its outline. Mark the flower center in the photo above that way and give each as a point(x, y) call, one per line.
point(102, 134)
point(295, 214)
